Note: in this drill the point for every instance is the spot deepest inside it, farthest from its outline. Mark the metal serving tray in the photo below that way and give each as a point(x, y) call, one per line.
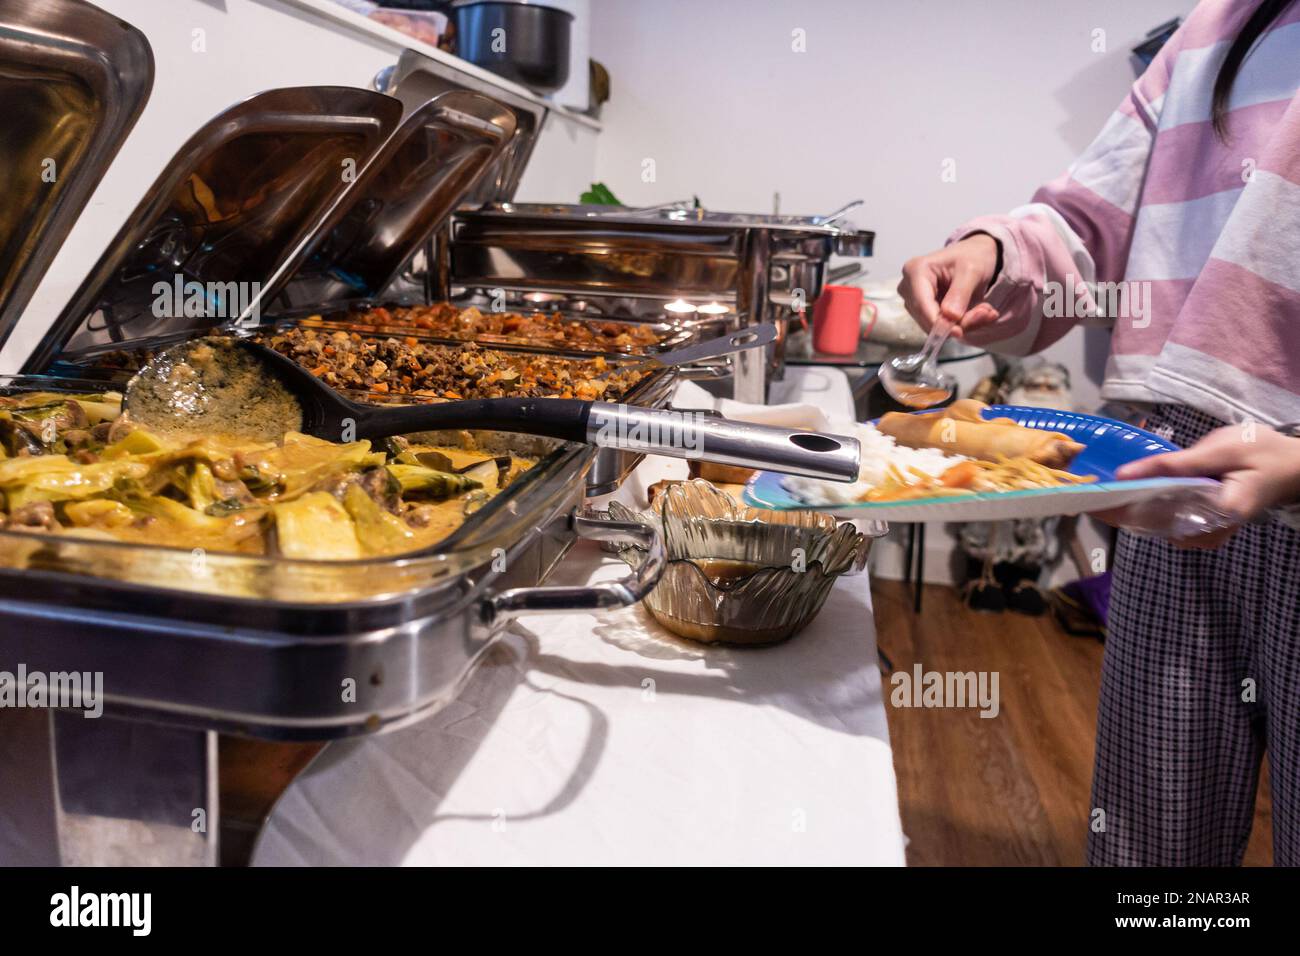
point(195, 643)
point(766, 267)
point(670, 335)
point(592, 250)
point(190, 644)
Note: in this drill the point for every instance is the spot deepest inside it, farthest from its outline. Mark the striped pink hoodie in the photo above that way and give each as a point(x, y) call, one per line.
point(1202, 237)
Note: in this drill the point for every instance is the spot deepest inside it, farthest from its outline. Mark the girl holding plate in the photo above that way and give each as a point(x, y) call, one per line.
point(1180, 228)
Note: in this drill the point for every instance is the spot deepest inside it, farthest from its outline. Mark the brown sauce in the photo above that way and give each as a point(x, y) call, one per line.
point(724, 573)
point(212, 387)
point(919, 396)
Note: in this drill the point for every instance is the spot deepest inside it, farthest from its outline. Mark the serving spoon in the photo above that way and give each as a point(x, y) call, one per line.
point(916, 380)
point(240, 387)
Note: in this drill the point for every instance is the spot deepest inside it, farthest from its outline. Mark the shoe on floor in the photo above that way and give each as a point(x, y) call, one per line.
point(1024, 597)
point(981, 595)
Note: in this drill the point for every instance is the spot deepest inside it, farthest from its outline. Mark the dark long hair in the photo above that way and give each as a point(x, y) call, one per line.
point(1260, 20)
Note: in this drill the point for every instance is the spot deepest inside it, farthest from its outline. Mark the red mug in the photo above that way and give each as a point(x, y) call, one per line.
point(837, 320)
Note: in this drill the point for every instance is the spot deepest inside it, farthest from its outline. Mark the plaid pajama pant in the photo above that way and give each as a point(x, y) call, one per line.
point(1200, 677)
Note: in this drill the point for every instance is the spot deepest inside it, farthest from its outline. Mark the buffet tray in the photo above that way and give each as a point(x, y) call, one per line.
point(267, 645)
point(668, 335)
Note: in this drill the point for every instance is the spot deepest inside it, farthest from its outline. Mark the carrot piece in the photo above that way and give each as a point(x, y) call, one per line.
point(960, 475)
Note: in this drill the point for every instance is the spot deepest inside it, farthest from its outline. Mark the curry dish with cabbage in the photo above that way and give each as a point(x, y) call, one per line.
point(74, 465)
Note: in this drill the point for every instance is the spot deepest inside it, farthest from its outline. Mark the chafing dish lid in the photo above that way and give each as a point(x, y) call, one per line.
point(416, 79)
point(226, 221)
point(406, 192)
point(666, 215)
point(73, 80)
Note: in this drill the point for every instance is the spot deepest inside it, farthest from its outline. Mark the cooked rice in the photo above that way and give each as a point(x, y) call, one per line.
point(879, 451)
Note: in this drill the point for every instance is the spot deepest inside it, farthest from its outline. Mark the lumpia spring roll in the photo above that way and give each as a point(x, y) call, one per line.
point(984, 440)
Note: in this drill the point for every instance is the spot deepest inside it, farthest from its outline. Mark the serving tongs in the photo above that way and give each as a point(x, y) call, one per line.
point(678, 434)
point(750, 337)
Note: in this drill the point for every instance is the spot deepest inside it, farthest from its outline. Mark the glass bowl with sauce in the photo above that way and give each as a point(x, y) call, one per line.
point(739, 575)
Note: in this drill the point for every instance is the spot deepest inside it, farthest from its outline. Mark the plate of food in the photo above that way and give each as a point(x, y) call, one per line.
point(977, 462)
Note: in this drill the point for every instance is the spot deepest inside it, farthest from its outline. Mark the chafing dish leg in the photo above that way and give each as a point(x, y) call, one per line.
point(254, 774)
point(29, 830)
point(750, 384)
point(134, 794)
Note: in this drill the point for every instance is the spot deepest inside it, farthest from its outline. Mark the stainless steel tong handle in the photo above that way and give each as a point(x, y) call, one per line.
point(840, 213)
point(602, 596)
point(685, 434)
point(750, 337)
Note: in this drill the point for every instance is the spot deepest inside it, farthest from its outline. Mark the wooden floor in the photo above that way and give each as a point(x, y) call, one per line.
point(1007, 791)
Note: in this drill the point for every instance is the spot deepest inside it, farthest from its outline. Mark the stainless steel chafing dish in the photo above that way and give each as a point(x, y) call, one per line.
point(765, 267)
point(190, 646)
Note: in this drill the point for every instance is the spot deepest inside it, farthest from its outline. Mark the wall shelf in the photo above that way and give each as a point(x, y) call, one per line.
point(399, 41)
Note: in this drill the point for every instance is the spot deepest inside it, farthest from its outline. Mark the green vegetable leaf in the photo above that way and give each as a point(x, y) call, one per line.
point(599, 195)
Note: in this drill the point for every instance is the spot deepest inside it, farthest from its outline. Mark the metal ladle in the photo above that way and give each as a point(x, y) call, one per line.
point(916, 380)
point(213, 370)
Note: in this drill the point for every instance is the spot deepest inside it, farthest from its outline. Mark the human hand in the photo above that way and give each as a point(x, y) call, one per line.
point(950, 284)
point(1259, 467)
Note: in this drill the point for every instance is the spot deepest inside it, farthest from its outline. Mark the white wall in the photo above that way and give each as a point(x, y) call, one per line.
point(1011, 90)
point(712, 91)
point(563, 163)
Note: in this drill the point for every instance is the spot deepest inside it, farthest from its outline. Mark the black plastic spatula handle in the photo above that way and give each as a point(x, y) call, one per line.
point(561, 418)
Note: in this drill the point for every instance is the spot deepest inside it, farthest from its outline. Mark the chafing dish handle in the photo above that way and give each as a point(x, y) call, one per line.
point(604, 595)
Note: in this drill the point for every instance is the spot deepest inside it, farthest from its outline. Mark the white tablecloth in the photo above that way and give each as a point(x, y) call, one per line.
point(596, 740)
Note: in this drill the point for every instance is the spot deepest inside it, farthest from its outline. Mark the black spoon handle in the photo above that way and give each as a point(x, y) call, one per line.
point(562, 418)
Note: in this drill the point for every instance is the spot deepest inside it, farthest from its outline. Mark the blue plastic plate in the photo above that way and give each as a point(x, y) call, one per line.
point(1108, 444)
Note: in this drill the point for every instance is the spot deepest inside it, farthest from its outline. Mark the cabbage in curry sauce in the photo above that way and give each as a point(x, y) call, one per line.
point(71, 464)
